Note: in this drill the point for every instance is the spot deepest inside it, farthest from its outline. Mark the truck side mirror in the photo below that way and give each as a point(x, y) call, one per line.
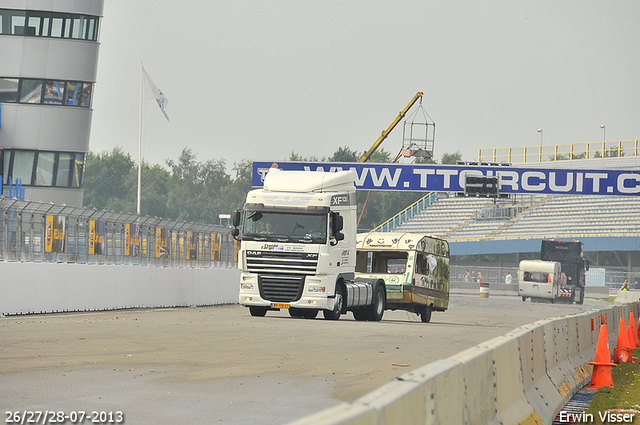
point(337, 224)
point(235, 232)
point(236, 219)
point(586, 265)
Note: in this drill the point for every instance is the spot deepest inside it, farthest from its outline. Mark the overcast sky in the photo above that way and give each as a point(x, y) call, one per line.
point(260, 79)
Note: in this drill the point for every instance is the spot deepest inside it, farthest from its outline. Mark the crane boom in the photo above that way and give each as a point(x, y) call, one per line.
point(365, 157)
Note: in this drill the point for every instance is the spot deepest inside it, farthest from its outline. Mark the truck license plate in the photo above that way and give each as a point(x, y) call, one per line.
point(279, 305)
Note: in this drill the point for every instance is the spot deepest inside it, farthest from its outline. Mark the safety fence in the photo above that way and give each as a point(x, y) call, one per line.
point(49, 233)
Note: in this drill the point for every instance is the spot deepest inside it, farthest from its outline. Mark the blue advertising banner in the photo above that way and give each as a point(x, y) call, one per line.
point(452, 178)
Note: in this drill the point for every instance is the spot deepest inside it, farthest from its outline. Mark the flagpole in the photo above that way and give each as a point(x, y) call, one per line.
point(140, 137)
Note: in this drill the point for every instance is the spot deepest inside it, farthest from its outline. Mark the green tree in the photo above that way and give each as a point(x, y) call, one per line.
point(294, 157)
point(344, 154)
point(105, 179)
point(612, 152)
point(195, 188)
point(380, 156)
point(425, 160)
point(155, 186)
point(451, 158)
point(235, 193)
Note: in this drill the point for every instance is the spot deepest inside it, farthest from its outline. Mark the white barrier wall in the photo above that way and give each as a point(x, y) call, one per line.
point(58, 287)
point(523, 377)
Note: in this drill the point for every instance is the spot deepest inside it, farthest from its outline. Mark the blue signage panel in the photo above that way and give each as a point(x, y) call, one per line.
point(452, 178)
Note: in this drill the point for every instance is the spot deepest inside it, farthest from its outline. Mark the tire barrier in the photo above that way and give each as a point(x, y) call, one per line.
point(523, 377)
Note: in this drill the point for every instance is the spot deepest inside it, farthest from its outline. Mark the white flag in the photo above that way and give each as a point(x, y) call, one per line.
point(156, 93)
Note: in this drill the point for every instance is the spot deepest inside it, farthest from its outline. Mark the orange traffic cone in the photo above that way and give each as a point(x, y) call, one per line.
point(622, 353)
point(601, 376)
point(633, 332)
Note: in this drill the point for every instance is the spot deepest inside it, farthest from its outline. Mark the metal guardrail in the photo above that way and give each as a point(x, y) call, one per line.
point(45, 232)
point(406, 213)
point(587, 150)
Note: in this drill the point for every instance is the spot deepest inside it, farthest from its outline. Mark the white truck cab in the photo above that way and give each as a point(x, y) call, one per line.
point(298, 247)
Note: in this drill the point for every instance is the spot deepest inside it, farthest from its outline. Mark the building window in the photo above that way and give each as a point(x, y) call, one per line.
point(57, 24)
point(23, 166)
point(44, 170)
point(65, 169)
point(35, 23)
point(85, 98)
point(9, 90)
point(56, 92)
point(78, 171)
point(60, 169)
point(31, 91)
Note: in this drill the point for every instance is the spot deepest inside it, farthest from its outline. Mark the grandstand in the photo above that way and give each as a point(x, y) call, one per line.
point(512, 228)
point(527, 217)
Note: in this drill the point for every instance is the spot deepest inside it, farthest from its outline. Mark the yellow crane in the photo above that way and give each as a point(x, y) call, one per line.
point(365, 157)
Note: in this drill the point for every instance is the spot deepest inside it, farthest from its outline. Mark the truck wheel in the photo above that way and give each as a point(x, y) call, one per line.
point(296, 312)
point(425, 314)
point(309, 314)
point(376, 310)
point(258, 311)
point(337, 306)
point(359, 314)
point(581, 299)
point(524, 299)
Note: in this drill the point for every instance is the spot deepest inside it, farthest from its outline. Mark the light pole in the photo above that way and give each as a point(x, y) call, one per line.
point(604, 132)
point(540, 131)
point(540, 155)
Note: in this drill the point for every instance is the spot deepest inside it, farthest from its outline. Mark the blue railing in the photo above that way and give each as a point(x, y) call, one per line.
point(407, 213)
point(13, 191)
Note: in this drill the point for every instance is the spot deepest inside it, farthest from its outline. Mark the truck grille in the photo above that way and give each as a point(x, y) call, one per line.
point(281, 288)
point(267, 262)
point(281, 274)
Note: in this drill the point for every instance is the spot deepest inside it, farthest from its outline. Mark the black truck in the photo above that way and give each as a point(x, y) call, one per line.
point(569, 255)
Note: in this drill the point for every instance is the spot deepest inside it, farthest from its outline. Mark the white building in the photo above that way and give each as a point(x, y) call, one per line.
point(49, 58)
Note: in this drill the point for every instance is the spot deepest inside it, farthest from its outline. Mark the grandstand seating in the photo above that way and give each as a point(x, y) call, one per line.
point(463, 218)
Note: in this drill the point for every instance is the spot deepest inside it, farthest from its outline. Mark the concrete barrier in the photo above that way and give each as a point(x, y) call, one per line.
point(51, 287)
point(523, 377)
point(627, 297)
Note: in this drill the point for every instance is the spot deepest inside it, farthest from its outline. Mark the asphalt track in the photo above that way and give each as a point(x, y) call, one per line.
point(220, 365)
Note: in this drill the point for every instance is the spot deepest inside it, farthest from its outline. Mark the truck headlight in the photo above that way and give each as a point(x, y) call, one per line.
point(246, 286)
point(316, 289)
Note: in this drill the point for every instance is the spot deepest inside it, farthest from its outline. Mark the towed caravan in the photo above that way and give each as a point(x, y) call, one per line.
point(414, 267)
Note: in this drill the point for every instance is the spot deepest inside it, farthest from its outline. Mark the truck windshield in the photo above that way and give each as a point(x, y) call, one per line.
point(285, 227)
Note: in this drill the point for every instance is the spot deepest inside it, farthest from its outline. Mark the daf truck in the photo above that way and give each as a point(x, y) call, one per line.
point(559, 275)
point(298, 248)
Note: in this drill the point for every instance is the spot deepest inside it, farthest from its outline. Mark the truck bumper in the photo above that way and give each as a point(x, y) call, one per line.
point(249, 295)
